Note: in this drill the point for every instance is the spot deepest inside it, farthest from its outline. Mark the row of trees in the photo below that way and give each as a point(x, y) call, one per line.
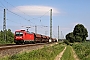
point(79, 34)
point(9, 37)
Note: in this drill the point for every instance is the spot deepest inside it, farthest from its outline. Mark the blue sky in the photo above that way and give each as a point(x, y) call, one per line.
point(66, 14)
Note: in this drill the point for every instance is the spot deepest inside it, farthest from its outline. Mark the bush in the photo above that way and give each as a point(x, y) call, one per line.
point(71, 44)
point(82, 50)
point(66, 42)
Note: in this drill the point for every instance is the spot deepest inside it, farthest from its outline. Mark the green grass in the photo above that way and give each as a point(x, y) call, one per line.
point(46, 53)
point(68, 54)
point(82, 50)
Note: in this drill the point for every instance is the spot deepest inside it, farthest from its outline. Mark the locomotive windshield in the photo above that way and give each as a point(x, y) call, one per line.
point(19, 34)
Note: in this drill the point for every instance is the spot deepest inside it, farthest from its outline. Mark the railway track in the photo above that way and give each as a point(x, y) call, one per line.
point(6, 44)
point(14, 49)
point(10, 46)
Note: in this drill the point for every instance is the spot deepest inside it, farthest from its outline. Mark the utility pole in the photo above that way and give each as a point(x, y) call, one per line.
point(58, 32)
point(35, 29)
point(4, 25)
point(51, 23)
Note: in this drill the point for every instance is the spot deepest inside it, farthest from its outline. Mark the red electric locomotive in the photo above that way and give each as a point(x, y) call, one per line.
point(22, 36)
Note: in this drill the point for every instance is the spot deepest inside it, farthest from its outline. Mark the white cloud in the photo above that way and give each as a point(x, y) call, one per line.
point(35, 10)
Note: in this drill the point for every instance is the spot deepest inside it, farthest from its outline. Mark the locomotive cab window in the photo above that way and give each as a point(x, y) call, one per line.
point(19, 34)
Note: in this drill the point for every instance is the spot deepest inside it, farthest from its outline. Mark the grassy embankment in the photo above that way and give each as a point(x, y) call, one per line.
point(68, 54)
point(46, 53)
point(82, 50)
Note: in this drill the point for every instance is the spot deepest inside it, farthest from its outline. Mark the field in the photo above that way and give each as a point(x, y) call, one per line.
point(82, 50)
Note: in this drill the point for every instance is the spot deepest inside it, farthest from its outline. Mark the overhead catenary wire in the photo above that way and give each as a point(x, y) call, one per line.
point(23, 13)
point(15, 13)
point(24, 17)
point(2, 4)
point(1, 7)
point(14, 21)
point(41, 15)
point(16, 8)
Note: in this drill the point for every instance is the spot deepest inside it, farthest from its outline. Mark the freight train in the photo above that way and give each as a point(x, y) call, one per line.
point(22, 37)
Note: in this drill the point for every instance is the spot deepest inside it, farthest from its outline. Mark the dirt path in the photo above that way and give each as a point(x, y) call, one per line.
point(58, 57)
point(74, 55)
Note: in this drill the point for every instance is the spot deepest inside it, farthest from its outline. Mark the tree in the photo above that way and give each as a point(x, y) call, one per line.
point(80, 32)
point(1, 35)
point(70, 37)
point(78, 39)
point(10, 36)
